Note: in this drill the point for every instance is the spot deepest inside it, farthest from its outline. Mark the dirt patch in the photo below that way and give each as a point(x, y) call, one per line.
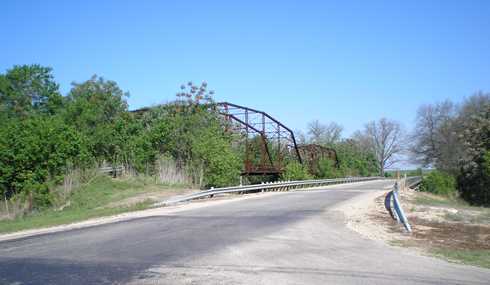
point(431, 226)
point(438, 225)
point(451, 235)
point(153, 197)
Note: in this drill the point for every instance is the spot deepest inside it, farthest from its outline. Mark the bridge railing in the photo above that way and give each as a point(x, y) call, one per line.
point(413, 181)
point(265, 187)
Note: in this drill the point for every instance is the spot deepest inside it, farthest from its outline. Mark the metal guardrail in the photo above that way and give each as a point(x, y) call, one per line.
point(394, 208)
point(274, 186)
point(413, 181)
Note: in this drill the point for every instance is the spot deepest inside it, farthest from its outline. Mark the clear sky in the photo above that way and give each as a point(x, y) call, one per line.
point(345, 61)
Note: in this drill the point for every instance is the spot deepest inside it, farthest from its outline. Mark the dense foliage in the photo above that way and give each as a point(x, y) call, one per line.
point(456, 139)
point(439, 183)
point(295, 171)
point(44, 136)
point(474, 179)
point(27, 90)
point(355, 160)
point(34, 152)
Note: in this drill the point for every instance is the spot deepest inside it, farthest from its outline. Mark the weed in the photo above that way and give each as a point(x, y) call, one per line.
point(472, 257)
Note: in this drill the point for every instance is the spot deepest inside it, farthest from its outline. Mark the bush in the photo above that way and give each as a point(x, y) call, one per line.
point(438, 183)
point(327, 169)
point(35, 152)
point(474, 181)
point(295, 171)
point(213, 158)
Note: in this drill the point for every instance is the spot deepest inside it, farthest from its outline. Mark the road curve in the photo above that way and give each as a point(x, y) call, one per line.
point(284, 238)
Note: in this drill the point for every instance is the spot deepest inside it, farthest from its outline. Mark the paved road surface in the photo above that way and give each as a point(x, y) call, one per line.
point(288, 238)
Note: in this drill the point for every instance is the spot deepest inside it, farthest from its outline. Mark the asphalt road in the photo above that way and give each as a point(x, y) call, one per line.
point(285, 238)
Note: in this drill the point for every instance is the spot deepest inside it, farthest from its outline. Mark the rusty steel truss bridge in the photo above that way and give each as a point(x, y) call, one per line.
point(267, 143)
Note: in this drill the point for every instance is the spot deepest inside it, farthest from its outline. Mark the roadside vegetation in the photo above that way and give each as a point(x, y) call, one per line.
point(452, 228)
point(439, 183)
point(479, 258)
point(52, 146)
point(449, 213)
point(455, 140)
point(444, 225)
point(102, 196)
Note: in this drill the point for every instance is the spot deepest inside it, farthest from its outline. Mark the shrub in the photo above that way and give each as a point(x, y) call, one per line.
point(295, 171)
point(214, 160)
point(439, 183)
point(35, 152)
point(474, 181)
point(327, 169)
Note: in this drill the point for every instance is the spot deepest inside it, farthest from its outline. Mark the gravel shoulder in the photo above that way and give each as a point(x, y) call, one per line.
point(454, 232)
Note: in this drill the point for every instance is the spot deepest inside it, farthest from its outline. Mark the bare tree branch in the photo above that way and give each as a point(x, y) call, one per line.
point(325, 134)
point(385, 139)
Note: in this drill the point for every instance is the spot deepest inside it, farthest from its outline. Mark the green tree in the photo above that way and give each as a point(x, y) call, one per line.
point(27, 90)
point(34, 153)
point(474, 179)
point(455, 139)
point(191, 133)
point(94, 107)
point(355, 160)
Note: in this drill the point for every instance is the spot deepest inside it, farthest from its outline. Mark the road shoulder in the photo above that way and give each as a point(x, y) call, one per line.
point(454, 233)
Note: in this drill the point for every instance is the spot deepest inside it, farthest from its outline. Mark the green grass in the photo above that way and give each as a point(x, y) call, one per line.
point(104, 190)
point(52, 218)
point(479, 258)
point(471, 257)
point(89, 201)
point(433, 200)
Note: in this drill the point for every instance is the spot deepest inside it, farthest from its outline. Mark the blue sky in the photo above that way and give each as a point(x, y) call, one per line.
point(345, 61)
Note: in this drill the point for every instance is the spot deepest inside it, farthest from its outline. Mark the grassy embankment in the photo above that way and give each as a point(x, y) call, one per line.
point(103, 196)
point(460, 234)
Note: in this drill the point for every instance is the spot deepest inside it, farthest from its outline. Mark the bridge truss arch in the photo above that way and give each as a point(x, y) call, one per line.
point(275, 142)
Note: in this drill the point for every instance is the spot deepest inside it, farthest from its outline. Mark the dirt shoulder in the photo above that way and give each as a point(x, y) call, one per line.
point(441, 227)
